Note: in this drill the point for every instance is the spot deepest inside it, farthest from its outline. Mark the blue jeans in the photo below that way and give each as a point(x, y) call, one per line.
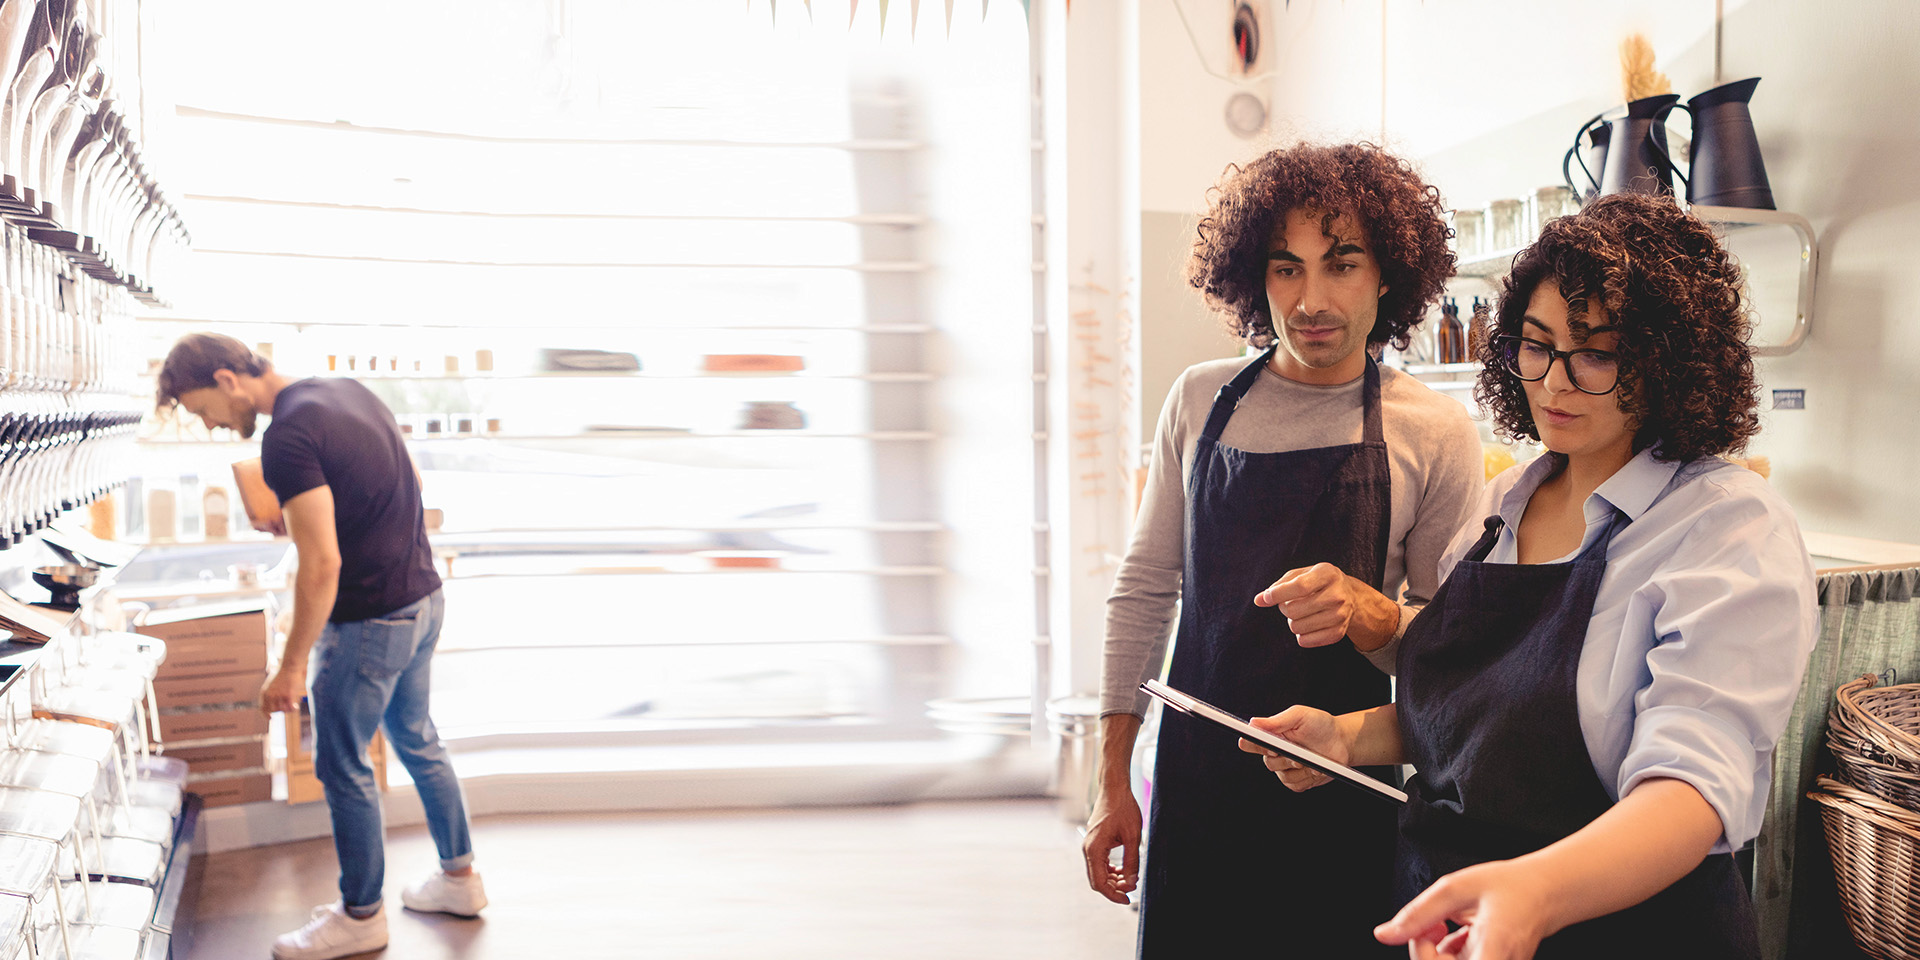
point(367, 672)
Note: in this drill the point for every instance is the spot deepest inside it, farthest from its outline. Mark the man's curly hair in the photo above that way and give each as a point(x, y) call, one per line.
point(1400, 213)
point(1673, 294)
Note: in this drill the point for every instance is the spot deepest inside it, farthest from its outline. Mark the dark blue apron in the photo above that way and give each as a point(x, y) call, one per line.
point(1230, 850)
point(1490, 718)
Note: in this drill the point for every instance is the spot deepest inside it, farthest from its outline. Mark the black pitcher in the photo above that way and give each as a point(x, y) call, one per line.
point(1637, 158)
point(1590, 151)
point(1724, 165)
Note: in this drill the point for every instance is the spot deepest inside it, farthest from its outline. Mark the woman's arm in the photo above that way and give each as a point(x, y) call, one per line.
point(1642, 845)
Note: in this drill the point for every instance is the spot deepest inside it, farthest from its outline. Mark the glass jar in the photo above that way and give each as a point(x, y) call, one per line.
point(1551, 202)
point(1469, 233)
point(1506, 224)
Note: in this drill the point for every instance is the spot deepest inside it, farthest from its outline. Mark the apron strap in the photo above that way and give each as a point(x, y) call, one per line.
point(1230, 395)
point(1370, 404)
point(1615, 523)
point(1228, 399)
point(1484, 545)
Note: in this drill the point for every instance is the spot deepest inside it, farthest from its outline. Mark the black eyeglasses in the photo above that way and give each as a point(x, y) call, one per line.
point(1591, 371)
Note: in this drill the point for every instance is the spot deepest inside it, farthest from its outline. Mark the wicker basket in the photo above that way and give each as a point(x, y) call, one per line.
point(1868, 747)
point(1881, 724)
point(1876, 863)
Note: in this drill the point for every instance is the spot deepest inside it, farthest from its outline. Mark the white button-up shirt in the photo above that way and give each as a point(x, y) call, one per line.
point(1701, 632)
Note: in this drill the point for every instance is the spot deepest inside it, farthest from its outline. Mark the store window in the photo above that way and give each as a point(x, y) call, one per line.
point(648, 287)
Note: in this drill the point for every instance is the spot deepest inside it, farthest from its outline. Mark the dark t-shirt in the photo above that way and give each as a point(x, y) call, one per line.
point(336, 433)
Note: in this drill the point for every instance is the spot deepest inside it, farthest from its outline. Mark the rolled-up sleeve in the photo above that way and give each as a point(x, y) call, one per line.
point(1734, 618)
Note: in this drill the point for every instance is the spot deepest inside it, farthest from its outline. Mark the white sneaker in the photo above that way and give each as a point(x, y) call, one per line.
point(440, 893)
point(333, 932)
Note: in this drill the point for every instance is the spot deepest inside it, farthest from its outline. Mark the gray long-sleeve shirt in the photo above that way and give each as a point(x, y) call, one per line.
point(1436, 469)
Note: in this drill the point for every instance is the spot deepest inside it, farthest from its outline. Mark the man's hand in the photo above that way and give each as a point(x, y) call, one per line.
point(1115, 823)
point(1324, 606)
point(276, 525)
point(283, 690)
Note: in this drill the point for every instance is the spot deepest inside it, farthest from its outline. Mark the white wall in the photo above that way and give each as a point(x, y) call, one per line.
point(1185, 146)
point(1486, 95)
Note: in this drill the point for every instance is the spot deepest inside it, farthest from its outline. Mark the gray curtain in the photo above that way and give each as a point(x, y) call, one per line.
point(1869, 623)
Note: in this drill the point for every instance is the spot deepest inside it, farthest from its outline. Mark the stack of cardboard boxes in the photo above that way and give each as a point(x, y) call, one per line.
point(209, 697)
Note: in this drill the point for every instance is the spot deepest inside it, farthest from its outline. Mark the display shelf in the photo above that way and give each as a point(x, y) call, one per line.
point(900, 377)
point(896, 571)
point(1421, 369)
point(885, 436)
point(862, 220)
point(876, 328)
point(859, 266)
point(1486, 266)
point(884, 526)
point(858, 144)
point(900, 640)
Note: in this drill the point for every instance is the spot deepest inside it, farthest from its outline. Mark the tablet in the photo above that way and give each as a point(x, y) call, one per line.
point(1339, 771)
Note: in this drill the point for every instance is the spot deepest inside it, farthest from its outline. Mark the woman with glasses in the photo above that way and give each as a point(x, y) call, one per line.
point(1592, 698)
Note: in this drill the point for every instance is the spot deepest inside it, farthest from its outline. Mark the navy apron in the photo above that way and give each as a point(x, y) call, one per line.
point(1230, 849)
point(1490, 718)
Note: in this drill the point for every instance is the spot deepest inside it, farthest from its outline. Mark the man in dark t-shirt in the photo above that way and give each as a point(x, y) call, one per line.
point(367, 606)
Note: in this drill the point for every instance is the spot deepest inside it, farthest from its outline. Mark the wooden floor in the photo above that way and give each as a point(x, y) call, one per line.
point(999, 879)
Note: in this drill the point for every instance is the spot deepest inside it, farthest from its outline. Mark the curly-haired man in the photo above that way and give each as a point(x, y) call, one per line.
point(1268, 479)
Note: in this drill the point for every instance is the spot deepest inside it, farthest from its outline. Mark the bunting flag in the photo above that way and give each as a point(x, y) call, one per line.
point(853, 7)
point(883, 18)
point(913, 17)
point(949, 18)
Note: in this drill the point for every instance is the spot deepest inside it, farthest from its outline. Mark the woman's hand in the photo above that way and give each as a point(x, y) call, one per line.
point(1317, 730)
point(1501, 908)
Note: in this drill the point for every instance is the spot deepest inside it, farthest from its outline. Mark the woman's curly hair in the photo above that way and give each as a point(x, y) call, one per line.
point(1402, 216)
point(1672, 293)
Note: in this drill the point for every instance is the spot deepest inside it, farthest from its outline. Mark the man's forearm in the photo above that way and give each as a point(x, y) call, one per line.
point(314, 590)
point(1376, 618)
point(1117, 734)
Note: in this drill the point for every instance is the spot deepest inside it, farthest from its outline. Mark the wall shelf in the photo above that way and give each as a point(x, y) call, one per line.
point(884, 436)
point(1492, 266)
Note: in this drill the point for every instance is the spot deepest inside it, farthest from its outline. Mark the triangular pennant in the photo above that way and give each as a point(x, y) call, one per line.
point(1026, 6)
point(949, 18)
point(913, 16)
point(809, 5)
point(983, 10)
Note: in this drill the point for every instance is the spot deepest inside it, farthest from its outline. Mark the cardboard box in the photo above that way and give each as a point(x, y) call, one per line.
point(302, 785)
point(213, 724)
point(227, 791)
point(261, 503)
point(243, 755)
point(223, 689)
point(223, 638)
